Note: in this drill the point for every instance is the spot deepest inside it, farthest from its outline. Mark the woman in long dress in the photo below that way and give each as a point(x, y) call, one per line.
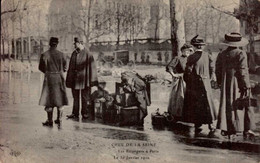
point(176, 68)
point(198, 106)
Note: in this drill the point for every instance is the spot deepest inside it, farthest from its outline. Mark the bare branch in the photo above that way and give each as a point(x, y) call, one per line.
point(226, 12)
point(11, 11)
point(14, 10)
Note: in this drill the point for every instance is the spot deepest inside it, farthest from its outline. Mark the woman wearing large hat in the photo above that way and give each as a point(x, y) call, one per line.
point(198, 100)
point(233, 78)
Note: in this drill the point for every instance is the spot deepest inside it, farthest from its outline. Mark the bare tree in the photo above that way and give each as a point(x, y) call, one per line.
point(177, 26)
point(12, 9)
point(248, 12)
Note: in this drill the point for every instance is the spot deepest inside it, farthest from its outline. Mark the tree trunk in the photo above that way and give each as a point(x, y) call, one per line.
point(177, 26)
point(21, 36)
point(29, 49)
point(218, 27)
point(118, 28)
point(197, 22)
point(15, 49)
point(252, 64)
point(3, 48)
point(0, 56)
point(29, 40)
point(206, 25)
point(89, 16)
point(212, 28)
point(9, 50)
point(14, 41)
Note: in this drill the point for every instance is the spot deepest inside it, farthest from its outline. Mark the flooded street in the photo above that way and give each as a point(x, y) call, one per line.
point(24, 139)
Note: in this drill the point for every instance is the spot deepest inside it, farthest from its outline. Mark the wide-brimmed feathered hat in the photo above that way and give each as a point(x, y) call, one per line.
point(195, 41)
point(235, 40)
point(54, 41)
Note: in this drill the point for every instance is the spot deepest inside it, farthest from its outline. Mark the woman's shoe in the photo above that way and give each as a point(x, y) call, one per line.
point(250, 135)
point(72, 116)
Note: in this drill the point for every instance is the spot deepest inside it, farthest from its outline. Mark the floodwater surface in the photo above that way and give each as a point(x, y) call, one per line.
point(21, 129)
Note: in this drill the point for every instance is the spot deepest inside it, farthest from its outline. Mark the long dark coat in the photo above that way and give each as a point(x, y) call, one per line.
point(82, 72)
point(198, 101)
point(53, 64)
point(177, 66)
point(232, 74)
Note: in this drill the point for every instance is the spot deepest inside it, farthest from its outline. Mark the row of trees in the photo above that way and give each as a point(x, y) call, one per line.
point(21, 19)
point(120, 21)
point(201, 18)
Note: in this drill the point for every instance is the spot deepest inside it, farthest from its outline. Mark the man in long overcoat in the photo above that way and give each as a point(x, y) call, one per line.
point(233, 77)
point(53, 64)
point(82, 75)
point(198, 100)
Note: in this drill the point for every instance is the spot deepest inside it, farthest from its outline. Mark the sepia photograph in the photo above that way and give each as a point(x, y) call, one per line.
point(130, 81)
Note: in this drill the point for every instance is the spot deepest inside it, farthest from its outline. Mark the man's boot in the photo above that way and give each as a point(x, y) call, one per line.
point(49, 121)
point(59, 116)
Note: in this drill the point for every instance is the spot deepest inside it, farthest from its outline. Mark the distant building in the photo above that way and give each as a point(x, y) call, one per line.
point(31, 49)
point(109, 19)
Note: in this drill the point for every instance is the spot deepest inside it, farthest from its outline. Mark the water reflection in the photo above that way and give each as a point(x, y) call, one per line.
point(109, 133)
point(20, 87)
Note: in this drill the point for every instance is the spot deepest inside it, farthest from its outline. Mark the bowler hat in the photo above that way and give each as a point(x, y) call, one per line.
point(54, 41)
point(78, 39)
point(197, 41)
point(235, 40)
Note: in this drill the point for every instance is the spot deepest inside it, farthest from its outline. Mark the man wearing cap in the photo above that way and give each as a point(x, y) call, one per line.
point(82, 75)
point(198, 100)
point(53, 64)
point(233, 77)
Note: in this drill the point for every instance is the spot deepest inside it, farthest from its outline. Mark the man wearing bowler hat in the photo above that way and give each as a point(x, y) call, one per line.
point(53, 64)
point(82, 75)
point(233, 79)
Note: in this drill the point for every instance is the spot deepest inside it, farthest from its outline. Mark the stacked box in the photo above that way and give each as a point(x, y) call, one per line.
point(126, 99)
point(110, 116)
point(123, 98)
point(126, 106)
point(129, 115)
point(158, 119)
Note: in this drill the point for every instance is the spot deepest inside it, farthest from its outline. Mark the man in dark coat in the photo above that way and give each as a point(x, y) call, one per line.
point(198, 100)
point(82, 75)
point(233, 77)
point(53, 64)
